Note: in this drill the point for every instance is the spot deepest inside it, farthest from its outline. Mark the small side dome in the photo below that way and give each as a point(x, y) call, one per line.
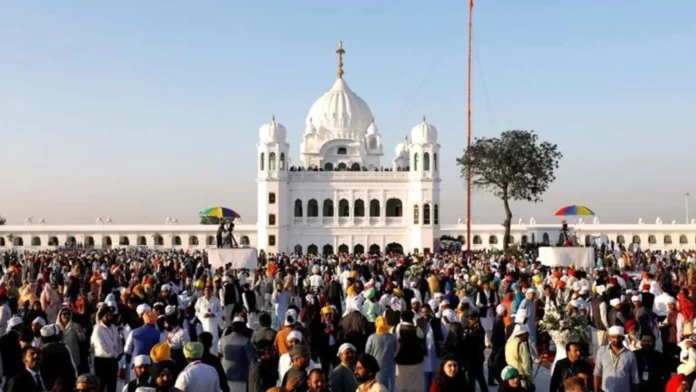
point(310, 128)
point(424, 133)
point(272, 132)
point(372, 129)
point(402, 148)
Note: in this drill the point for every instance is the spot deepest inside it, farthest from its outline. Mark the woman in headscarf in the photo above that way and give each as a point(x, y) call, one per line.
point(382, 346)
point(688, 311)
point(73, 334)
point(34, 313)
point(450, 377)
point(50, 301)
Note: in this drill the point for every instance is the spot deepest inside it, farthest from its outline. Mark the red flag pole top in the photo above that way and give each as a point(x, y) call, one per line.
point(468, 136)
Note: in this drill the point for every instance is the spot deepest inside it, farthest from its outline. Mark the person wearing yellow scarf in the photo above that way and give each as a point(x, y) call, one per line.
point(381, 325)
point(382, 346)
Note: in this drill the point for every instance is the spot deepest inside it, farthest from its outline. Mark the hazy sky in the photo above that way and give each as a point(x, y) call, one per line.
point(141, 110)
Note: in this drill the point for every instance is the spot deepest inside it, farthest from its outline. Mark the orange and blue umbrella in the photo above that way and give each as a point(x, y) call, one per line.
point(220, 213)
point(574, 210)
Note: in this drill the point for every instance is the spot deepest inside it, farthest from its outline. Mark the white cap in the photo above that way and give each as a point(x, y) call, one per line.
point(297, 335)
point(344, 347)
point(670, 300)
point(414, 301)
point(40, 321)
point(449, 316)
point(636, 298)
point(142, 308)
point(530, 290)
point(169, 310)
point(573, 303)
point(444, 302)
point(290, 317)
point(616, 331)
point(500, 309)
point(49, 330)
point(165, 287)
point(226, 279)
point(141, 360)
point(615, 302)
point(13, 322)
point(583, 291)
point(238, 319)
point(519, 330)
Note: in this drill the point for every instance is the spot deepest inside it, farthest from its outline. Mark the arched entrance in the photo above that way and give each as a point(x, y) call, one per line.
point(35, 241)
point(124, 241)
point(193, 240)
point(142, 241)
point(2, 242)
point(17, 241)
point(244, 240)
point(358, 249)
point(374, 249)
point(89, 242)
point(210, 240)
point(298, 249)
point(176, 241)
point(327, 250)
point(106, 243)
point(312, 249)
point(395, 248)
point(71, 242)
point(343, 248)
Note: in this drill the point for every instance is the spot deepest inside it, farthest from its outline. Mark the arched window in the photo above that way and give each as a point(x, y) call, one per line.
point(328, 208)
point(343, 248)
point(461, 239)
point(193, 240)
point(358, 249)
point(359, 208)
point(328, 166)
point(312, 249)
point(374, 208)
point(107, 242)
point(53, 241)
point(35, 241)
point(436, 215)
point(394, 208)
point(545, 238)
point(355, 167)
point(477, 240)
point(394, 247)
point(271, 240)
point(636, 239)
point(493, 240)
point(2, 242)
point(416, 214)
point(17, 241)
point(124, 241)
point(652, 239)
point(435, 162)
point(374, 249)
point(271, 198)
point(271, 161)
point(298, 208)
point(327, 250)
point(176, 240)
point(298, 249)
point(373, 143)
point(142, 241)
point(426, 214)
point(244, 240)
point(312, 208)
point(343, 208)
point(263, 159)
point(668, 240)
point(620, 239)
point(210, 240)
point(415, 162)
point(426, 162)
point(282, 161)
point(158, 240)
point(342, 166)
point(271, 219)
point(342, 151)
point(89, 242)
point(683, 240)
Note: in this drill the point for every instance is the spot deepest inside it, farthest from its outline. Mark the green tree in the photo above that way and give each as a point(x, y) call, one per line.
point(514, 166)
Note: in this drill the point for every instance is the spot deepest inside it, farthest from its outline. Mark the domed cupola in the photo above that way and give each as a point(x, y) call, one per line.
point(272, 132)
point(402, 148)
point(424, 133)
point(310, 129)
point(372, 129)
point(340, 111)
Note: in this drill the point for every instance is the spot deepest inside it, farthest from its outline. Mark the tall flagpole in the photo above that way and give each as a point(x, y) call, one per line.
point(468, 137)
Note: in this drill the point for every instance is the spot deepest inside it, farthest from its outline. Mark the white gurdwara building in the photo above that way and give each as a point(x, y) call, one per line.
point(343, 196)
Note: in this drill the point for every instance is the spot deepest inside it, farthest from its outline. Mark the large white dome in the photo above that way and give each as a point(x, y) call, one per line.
point(272, 132)
point(340, 110)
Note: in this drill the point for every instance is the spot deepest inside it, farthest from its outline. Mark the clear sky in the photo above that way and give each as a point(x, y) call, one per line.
point(138, 110)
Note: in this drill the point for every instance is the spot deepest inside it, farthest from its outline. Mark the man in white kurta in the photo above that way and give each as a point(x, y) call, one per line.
point(209, 311)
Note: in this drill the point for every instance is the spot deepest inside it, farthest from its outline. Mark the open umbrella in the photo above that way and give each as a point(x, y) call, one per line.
point(574, 210)
point(220, 213)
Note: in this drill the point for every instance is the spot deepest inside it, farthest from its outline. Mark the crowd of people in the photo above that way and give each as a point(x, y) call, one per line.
point(165, 320)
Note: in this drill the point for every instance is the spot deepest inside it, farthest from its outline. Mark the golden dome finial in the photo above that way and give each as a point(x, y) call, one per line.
point(340, 53)
point(273, 117)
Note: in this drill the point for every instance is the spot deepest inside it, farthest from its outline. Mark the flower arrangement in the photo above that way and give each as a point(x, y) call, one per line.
point(564, 327)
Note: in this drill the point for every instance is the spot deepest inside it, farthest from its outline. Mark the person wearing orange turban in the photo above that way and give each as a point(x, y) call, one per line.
point(160, 352)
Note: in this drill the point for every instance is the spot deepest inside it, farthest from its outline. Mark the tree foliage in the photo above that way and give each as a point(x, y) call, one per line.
point(2, 220)
point(514, 166)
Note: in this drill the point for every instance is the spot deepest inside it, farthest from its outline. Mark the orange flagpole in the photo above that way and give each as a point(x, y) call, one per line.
point(468, 136)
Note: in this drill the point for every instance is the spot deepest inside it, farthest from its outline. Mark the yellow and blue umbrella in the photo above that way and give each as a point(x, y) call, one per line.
point(574, 210)
point(220, 213)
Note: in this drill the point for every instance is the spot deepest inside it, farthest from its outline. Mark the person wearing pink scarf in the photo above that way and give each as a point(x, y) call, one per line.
point(50, 302)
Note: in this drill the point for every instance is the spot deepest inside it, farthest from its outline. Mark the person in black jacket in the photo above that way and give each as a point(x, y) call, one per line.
point(263, 374)
point(29, 379)
point(206, 339)
point(653, 366)
point(57, 368)
point(10, 349)
point(496, 362)
point(476, 345)
point(568, 367)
